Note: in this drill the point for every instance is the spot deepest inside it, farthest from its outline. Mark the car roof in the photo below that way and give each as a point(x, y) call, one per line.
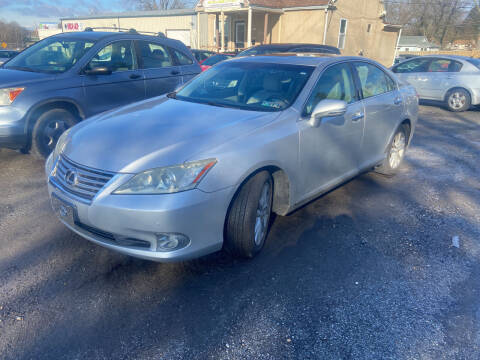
point(289, 46)
point(444, 56)
point(296, 59)
point(97, 35)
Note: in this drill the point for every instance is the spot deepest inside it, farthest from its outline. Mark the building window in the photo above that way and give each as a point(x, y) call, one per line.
point(369, 28)
point(342, 33)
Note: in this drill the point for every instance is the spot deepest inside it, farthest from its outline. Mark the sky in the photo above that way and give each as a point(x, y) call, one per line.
point(28, 13)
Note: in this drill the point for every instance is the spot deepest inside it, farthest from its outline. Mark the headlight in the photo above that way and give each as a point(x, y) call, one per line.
point(7, 96)
point(167, 180)
point(60, 145)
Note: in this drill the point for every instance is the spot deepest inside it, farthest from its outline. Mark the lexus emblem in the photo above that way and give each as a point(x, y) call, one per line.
point(71, 177)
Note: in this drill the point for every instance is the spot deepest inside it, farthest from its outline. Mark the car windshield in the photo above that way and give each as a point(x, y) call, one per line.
point(52, 55)
point(216, 59)
point(249, 86)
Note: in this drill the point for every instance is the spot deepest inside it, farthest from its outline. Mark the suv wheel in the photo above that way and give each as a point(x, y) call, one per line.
point(48, 128)
point(249, 217)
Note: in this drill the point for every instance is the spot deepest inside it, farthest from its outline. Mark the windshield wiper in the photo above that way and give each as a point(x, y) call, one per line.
point(172, 95)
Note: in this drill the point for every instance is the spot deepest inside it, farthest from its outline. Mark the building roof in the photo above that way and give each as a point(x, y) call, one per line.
point(129, 14)
point(416, 41)
point(288, 3)
point(282, 4)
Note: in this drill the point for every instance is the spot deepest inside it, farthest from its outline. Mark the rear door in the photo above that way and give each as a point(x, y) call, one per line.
point(188, 67)
point(123, 86)
point(383, 104)
point(162, 75)
point(442, 75)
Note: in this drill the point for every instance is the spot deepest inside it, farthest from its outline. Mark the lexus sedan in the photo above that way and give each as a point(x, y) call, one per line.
point(187, 174)
point(451, 80)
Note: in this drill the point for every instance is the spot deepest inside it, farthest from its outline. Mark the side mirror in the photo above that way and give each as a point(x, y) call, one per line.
point(327, 108)
point(100, 70)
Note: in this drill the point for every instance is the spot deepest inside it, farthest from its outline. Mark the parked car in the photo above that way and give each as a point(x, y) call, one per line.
point(190, 173)
point(215, 59)
point(202, 55)
point(6, 55)
point(451, 80)
point(289, 48)
point(68, 77)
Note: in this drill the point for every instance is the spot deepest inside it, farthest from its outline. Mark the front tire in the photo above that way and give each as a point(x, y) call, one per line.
point(458, 100)
point(248, 220)
point(395, 154)
point(48, 128)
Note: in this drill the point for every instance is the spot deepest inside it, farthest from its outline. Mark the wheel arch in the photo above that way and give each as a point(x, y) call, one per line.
point(42, 107)
point(281, 186)
point(447, 93)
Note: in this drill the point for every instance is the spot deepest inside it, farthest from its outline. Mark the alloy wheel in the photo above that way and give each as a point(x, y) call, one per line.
point(457, 100)
point(397, 151)
point(263, 213)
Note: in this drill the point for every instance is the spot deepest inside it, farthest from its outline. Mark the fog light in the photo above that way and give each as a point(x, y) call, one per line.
point(171, 242)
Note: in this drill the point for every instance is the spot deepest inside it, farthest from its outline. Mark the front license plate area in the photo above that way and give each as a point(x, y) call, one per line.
point(64, 210)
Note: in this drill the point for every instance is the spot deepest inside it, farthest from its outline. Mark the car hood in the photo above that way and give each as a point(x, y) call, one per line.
point(11, 78)
point(155, 133)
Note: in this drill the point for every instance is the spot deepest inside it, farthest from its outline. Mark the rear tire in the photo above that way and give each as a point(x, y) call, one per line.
point(48, 128)
point(248, 220)
point(395, 154)
point(458, 100)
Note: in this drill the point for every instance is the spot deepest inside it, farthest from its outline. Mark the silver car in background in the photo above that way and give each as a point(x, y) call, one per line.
point(187, 174)
point(452, 80)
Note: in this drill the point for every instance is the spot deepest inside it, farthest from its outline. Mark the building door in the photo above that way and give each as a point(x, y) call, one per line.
point(240, 34)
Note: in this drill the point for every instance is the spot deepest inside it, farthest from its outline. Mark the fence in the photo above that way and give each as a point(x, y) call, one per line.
point(469, 53)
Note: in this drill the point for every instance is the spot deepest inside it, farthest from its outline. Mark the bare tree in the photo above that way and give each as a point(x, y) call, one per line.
point(438, 20)
point(13, 34)
point(159, 4)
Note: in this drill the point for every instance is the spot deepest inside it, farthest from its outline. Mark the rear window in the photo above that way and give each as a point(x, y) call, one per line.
point(474, 62)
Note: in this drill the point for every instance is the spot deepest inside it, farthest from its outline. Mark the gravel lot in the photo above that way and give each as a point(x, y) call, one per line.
point(365, 272)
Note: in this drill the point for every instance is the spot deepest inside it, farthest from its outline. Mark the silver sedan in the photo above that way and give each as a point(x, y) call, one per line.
point(201, 169)
point(452, 80)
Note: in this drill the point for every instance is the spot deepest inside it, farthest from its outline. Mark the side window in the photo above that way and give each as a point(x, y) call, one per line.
point(413, 66)
point(444, 65)
point(154, 55)
point(182, 58)
point(336, 83)
point(118, 56)
point(342, 34)
point(373, 80)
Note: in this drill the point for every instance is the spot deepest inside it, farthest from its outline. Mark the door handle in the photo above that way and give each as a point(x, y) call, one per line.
point(358, 116)
point(175, 72)
point(398, 101)
point(135, 76)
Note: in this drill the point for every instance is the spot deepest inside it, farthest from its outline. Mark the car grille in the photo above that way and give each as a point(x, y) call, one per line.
point(79, 180)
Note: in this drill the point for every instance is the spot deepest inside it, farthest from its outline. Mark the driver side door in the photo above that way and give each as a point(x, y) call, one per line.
point(123, 86)
point(329, 153)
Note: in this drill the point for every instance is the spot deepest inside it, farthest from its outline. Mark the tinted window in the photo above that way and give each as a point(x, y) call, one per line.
point(154, 55)
point(51, 55)
point(373, 80)
point(336, 83)
point(118, 56)
point(413, 66)
point(182, 59)
point(216, 59)
point(444, 65)
point(249, 86)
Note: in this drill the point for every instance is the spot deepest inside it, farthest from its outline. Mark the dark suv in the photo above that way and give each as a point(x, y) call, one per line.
point(66, 78)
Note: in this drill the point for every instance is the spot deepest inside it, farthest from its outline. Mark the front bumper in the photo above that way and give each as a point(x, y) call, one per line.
point(12, 128)
point(198, 215)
